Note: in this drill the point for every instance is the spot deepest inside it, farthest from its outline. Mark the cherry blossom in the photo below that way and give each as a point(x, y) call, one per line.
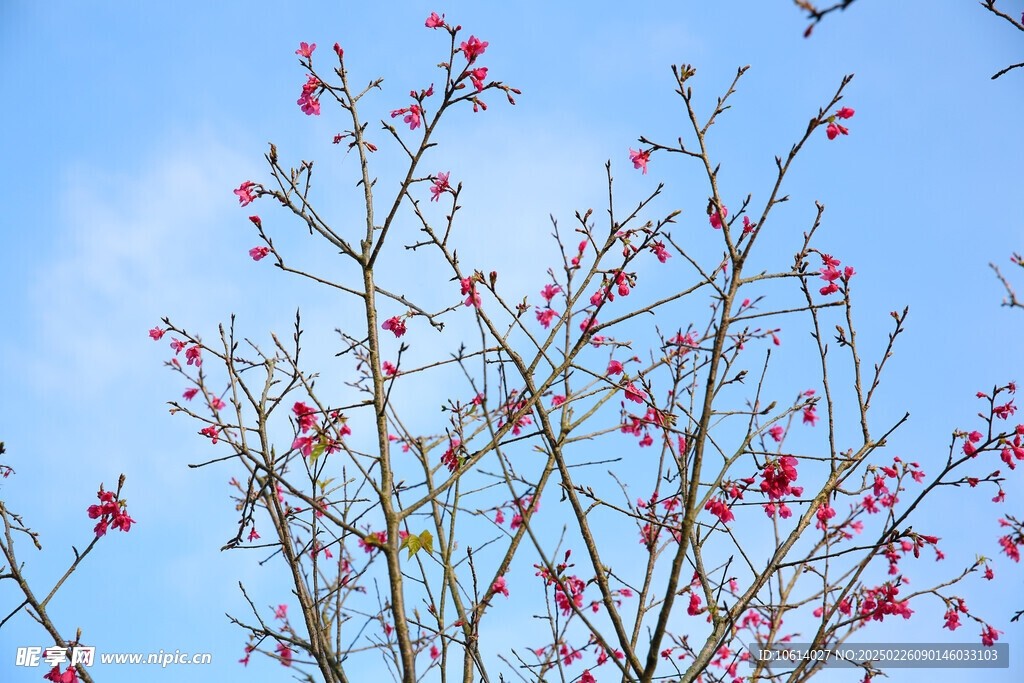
point(244, 193)
point(478, 76)
point(310, 105)
point(634, 394)
point(305, 50)
point(109, 512)
point(434, 21)
point(395, 324)
point(549, 292)
point(258, 253)
point(440, 185)
point(412, 115)
point(70, 675)
point(544, 316)
point(499, 586)
point(716, 220)
point(156, 333)
point(640, 159)
point(473, 48)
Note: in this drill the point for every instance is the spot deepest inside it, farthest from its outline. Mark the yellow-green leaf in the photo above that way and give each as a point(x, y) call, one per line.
point(427, 542)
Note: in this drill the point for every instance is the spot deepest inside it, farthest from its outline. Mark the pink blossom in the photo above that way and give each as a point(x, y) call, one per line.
point(469, 287)
point(253, 536)
point(716, 220)
point(285, 653)
point(499, 586)
point(434, 21)
point(211, 432)
point(824, 513)
point(434, 652)
point(70, 675)
point(640, 159)
point(304, 444)
point(244, 194)
point(156, 333)
point(258, 253)
point(989, 635)
point(614, 367)
point(845, 113)
point(549, 292)
point(388, 368)
point(450, 456)
point(835, 129)
point(478, 76)
point(809, 416)
point(193, 356)
point(544, 316)
point(412, 115)
point(777, 433)
point(634, 394)
point(473, 48)
point(440, 185)
point(310, 105)
point(340, 52)
point(557, 401)
point(694, 607)
point(305, 50)
point(190, 394)
point(305, 416)
point(659, 250)
point(395, 324)
point(719, 509)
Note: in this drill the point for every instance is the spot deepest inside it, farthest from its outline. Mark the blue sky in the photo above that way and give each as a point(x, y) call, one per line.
point(128, 125)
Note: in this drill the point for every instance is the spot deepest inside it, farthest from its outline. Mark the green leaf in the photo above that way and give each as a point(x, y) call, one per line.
point(412, 543)
point(318, 450)
point(427, 541)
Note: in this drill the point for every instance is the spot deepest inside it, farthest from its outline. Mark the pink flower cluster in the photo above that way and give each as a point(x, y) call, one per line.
point(440, 185)
point(451, 457)
point(395, 324)
point(881, 601)
point(413, 115)
point(469, 287)
point(110, 512)
point(829, 273)
point(834, 128)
